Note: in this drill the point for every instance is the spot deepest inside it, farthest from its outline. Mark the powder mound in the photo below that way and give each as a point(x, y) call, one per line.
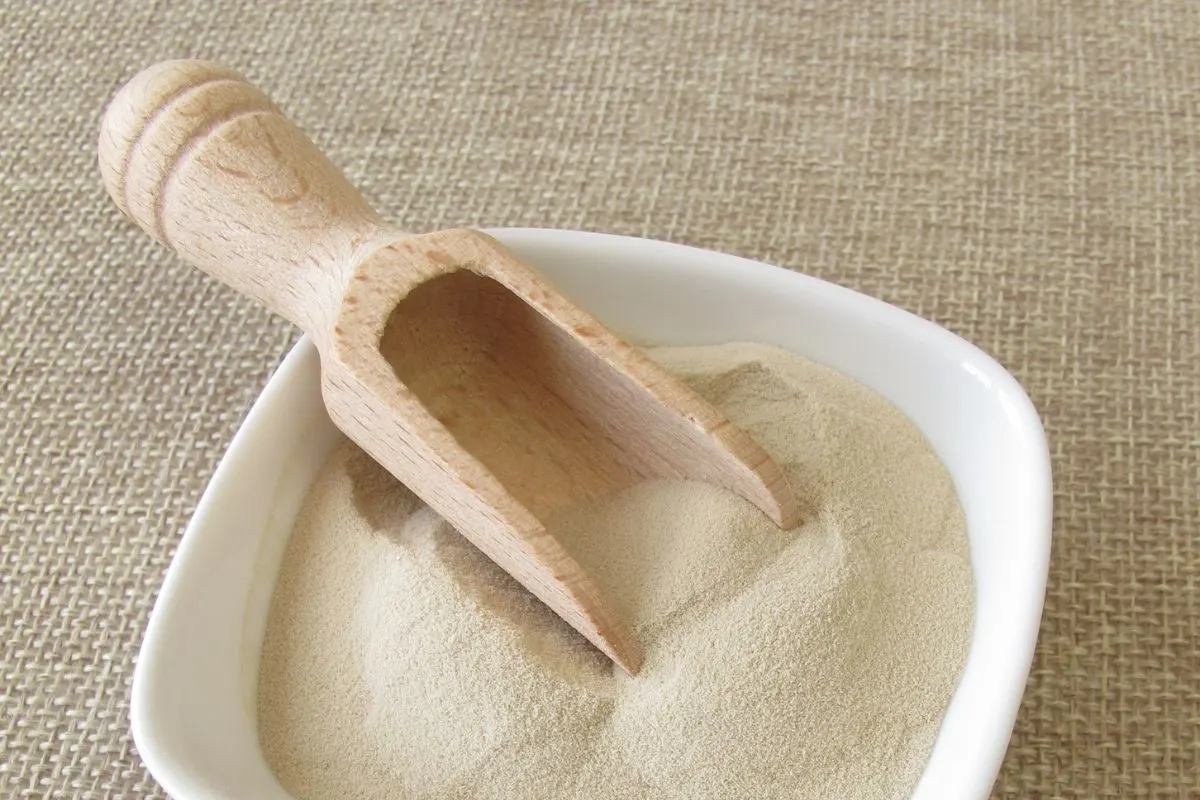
point(816, 662)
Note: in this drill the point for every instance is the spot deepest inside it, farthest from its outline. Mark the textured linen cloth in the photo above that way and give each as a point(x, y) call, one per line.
point(1025, 173)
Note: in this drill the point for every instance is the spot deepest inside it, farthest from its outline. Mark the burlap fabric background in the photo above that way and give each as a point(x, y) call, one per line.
point(1025, 173)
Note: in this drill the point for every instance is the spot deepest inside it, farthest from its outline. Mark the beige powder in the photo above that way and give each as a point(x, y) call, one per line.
point(814, 663)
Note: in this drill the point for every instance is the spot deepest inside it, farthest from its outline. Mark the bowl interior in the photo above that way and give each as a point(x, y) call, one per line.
point(193, 709)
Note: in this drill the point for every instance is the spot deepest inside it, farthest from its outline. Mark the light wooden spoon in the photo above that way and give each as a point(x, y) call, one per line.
point(455, 366)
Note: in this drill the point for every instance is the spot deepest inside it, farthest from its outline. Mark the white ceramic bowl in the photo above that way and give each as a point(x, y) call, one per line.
point(193, 706)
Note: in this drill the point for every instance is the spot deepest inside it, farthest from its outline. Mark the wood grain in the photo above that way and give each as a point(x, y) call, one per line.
point(454, 365)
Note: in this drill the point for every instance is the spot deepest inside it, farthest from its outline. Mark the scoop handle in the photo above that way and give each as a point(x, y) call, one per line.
point(206, 164)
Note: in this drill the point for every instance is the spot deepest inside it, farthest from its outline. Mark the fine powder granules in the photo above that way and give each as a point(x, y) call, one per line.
point(399, 662)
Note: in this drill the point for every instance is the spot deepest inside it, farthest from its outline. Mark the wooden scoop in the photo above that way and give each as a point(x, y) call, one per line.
point(455, 366)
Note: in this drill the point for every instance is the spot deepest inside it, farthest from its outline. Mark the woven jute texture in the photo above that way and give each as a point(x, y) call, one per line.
point(1025, 173)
